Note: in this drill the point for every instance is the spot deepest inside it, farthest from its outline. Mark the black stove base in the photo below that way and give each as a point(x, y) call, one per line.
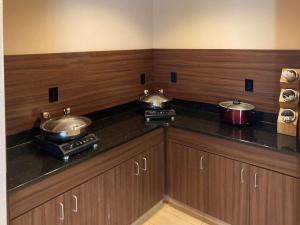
point(160, 114)
point(65, 150)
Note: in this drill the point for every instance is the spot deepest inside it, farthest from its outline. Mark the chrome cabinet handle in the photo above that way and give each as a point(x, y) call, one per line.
point(201, 163)
point(256, 180)
point(145, 164)
point(242, 176)
point(137, 168)
point(62, 211)
point(75, 210)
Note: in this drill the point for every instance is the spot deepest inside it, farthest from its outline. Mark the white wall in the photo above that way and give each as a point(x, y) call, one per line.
point(3, 211)
point(47, 26)
point(35, 26)
point(229, 24)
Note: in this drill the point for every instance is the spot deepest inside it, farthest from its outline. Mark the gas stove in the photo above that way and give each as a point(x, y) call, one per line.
point(66, 149)
point(158, 114)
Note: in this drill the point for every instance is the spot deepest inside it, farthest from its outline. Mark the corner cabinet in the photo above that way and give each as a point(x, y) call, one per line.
point(187, 175)
point(117, 196)
point(228, 186)
point(142, 183)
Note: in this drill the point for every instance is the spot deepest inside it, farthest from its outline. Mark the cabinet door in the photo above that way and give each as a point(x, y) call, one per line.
point(153, 173)
point(86, 203)
point(187, 175)
point(274, 199)
point(228, 190)
point(130, 201)
point(113, 201)
point(52, 212)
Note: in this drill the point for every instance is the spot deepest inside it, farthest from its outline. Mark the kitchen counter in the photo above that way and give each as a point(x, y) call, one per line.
point(262, 134)
point(26, 164)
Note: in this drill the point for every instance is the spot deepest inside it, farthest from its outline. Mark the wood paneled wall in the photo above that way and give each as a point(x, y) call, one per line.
point(87, 82)
point(92, 81)
point(213, 76)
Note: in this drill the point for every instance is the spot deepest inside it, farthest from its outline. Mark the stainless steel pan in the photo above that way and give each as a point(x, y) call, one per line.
point(156, 100)
point(64, 128)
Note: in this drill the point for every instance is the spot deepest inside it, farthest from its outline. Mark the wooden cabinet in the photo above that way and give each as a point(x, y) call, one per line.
point(187, 175)
point(237, 192)
point(118, 196)
point(112, 200)
point(153, 170)
point(198, 174)
point(142, 183)
point(86, 203)
point(210, 183)
point(130, 190)
point(274, 198)
point(52, 212)
point(228, 190)
point(82, 205)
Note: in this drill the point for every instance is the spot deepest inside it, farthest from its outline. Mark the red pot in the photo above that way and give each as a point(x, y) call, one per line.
point(236, 112)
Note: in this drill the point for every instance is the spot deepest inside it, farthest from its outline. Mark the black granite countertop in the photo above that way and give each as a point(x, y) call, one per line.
point(26, 164)
point(262, 134)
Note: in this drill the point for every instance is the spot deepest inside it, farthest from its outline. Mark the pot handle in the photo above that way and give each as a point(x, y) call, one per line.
point(45, 115)
point(146, 92)
point(236, 101)
point(67, 111)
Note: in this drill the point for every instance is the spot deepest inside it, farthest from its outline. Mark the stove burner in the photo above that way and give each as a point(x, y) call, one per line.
point(160, 114)
point(65, 150)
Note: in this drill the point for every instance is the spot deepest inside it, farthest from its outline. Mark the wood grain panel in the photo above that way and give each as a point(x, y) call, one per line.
point(153, 167)
point(90, 206)
point(187, 176)
point(213, 76)
point(275, 198)
point(46, 214)
point(131, 183)
point(87, 82)
point(228, 190)
point(288, 164)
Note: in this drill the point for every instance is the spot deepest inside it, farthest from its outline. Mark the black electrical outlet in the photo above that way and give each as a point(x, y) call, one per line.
point(143, 78)
point(173, 77)
point(53, 94)
point(249, 85)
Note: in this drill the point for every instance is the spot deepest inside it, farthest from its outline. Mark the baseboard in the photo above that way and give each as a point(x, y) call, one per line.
point(149, 213)
point(193, 212)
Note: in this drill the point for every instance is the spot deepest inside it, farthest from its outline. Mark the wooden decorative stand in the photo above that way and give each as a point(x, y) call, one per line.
point(287, 122)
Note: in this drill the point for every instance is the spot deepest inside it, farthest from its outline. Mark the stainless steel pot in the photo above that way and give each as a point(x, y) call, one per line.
point(236, 112)
point(155, 101)
point(64, 128)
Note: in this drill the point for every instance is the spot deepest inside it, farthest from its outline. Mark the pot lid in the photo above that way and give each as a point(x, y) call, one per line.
point(155, 98)
point(236, 105)
point(67, 124)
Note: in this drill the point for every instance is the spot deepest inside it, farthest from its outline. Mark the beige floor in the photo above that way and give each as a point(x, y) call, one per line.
point(168, 215)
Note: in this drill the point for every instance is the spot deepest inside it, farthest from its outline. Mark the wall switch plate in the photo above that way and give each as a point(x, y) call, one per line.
point(143, 78)
point(249, 85)
point(53, 94)
point(173, 77)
